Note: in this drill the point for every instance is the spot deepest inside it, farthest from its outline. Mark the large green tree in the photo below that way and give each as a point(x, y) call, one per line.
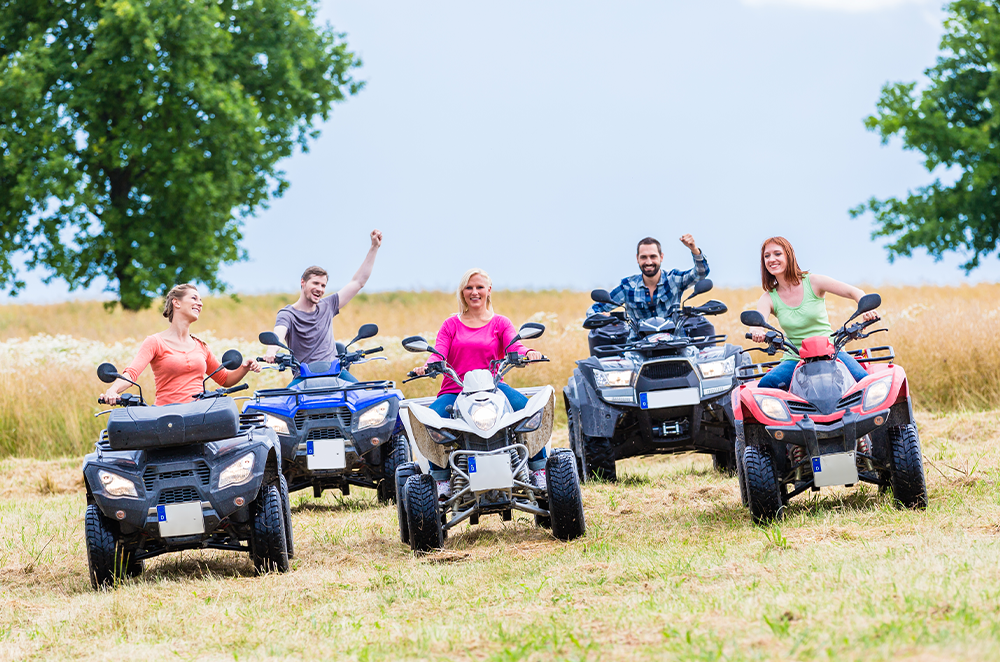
point(135, 135)
point(953, 119)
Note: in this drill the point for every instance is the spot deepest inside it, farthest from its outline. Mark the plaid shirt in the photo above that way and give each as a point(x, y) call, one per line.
point(635, 295)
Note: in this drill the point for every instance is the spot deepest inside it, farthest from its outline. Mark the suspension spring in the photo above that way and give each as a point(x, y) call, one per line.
point(515, 458)
point(458, 481)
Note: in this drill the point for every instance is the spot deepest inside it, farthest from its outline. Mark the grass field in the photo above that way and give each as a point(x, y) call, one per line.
point(670, 568)
point(947, 339)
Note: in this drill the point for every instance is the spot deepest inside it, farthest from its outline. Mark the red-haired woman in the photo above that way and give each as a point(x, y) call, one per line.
point(796, 298)
point(180, 361)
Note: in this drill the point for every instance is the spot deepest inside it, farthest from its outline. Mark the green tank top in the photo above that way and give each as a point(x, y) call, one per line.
point(807, 319)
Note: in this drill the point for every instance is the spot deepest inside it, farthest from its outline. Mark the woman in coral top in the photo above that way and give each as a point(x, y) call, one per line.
point(180, 361)
point(469, 341)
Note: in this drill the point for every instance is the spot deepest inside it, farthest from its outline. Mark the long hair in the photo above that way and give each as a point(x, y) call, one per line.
point(793, 273)
point(463, 307)
point(176, 293)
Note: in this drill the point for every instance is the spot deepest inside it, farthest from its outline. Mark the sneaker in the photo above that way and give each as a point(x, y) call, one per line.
point(538, 478)
point(444, 489)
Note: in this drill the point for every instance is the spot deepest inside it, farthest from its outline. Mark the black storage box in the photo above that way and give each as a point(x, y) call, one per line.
point(612, 334)
point(134, 428)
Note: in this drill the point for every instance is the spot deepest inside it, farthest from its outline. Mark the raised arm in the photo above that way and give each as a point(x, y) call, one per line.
point(700, 269)
point(348, 292)
point(142, 359)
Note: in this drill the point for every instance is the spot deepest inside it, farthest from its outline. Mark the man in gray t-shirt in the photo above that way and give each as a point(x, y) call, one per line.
point(306, 326)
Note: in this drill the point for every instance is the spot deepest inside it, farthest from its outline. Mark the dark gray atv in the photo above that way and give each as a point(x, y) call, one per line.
point(184, 476)
point(655, 386)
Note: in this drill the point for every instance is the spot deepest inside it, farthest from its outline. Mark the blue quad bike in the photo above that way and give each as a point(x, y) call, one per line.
point(184, 476)
point(335, 432)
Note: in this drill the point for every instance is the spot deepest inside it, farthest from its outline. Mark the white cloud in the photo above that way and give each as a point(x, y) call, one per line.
point(842, 5)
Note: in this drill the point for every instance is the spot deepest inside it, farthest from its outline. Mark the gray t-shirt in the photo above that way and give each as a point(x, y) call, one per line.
point(310, 335)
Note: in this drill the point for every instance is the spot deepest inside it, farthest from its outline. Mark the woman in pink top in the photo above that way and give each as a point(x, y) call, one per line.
point(180, 361)
point(469, 341)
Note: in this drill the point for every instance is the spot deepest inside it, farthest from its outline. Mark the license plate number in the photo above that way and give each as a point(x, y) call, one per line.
point(180, 519)
point(678, 397)
point(325, 454)
point(835, 469)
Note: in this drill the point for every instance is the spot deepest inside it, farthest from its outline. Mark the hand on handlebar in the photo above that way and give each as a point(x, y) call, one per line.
point(871, 316)
point(270, 358)
point(420, 370)
point(110, 397)
point(532, 355)
point(757, 334)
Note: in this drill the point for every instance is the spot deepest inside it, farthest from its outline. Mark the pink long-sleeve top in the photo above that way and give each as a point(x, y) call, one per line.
point(177, 374)
point(466, 348)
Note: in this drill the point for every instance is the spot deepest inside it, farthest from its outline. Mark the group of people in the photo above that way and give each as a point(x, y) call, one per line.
point(476, 335)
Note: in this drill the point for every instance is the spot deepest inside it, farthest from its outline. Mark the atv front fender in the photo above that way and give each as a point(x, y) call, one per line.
point(597, 418)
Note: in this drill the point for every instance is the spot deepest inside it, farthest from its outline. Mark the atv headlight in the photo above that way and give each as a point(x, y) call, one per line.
point(373, 416)
point(773, 408)
point(606, 378)
point(279, 426)
point(115, 485)
point(877, 393)
point(532, 423)
point(718, 368)
point(484, 416)
point(238, 472)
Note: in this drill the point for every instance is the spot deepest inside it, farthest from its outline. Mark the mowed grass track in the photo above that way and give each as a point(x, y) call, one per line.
point(670, 568)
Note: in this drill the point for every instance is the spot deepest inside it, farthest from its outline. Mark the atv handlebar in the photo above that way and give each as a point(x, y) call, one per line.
point(124, 400)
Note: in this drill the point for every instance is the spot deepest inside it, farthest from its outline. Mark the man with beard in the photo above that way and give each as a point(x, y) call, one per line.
point(653, 292)
point(306, 326)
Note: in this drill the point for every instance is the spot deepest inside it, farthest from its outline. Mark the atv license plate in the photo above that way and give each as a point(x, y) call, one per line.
point(677, 397)
point(325, 454)
point(490, 472)
point(180, 519)
point(835, 469)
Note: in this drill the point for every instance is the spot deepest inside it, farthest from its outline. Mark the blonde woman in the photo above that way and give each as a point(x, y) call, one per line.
point(180, 361)
point(469, 341)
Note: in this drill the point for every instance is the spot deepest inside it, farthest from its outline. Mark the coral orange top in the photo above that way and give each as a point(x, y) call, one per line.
point(178, 375)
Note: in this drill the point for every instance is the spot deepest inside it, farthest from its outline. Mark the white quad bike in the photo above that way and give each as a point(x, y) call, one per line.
point(487, 445)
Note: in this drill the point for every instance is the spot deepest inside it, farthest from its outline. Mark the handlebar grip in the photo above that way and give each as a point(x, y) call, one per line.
point(749, 336)
point(100, 400)
point(261, 359)
point(373, 350)
point(239, 387)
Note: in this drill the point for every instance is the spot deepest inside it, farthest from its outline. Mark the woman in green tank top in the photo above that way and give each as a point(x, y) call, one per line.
point(796, 298)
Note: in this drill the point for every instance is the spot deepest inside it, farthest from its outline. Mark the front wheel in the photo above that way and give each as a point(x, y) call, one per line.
point(398, 453)
point(906, 465)
point(268, 545)
point(108, 561)
point(598, 459)
point(422, 515)
point(286, 506)
point(763, 491)
point(403, 472)
point(564, 497)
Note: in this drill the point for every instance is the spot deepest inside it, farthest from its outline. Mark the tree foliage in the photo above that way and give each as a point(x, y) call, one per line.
point(953, 121)
point(135, 135)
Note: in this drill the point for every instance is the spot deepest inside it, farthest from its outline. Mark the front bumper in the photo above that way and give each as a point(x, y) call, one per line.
point(836, 437)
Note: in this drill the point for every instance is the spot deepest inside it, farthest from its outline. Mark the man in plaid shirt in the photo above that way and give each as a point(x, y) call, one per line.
point(653, 292)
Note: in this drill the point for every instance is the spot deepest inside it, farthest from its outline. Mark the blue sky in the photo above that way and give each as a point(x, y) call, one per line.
point(541, 140)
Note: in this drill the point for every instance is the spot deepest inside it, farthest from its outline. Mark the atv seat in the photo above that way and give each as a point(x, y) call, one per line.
point(134, 428)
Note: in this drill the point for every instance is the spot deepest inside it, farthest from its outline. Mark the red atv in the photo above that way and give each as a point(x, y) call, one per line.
point(826, 429)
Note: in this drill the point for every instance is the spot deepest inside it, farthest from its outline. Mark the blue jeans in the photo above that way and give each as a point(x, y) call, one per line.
point(517, 400)
point(780, 376)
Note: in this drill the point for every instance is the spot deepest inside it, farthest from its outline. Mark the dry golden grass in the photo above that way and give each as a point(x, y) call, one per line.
point(670, 568)
point(946, 338)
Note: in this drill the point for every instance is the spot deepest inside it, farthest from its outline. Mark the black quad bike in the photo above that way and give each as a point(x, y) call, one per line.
point(183, 476)
point(826, 429)
point(334, 432)
point(653, 386)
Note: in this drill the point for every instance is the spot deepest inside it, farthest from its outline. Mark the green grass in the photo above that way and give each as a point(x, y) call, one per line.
point(670, 568)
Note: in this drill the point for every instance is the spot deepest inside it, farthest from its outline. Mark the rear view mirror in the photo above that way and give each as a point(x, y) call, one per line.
point(702, 286)
point(868, 303)
point(270, 338)
point(107, 373)
point(416, 344)
point(366, 331)
point(232, 359)
point(601, 296)
point(752, 318)
point(530, 330)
